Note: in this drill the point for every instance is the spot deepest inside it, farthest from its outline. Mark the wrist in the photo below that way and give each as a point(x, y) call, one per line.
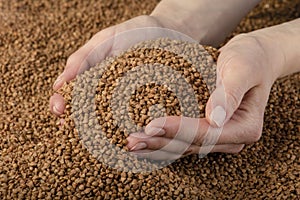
point(173, 15)
point(207, 21)
point(282, 48)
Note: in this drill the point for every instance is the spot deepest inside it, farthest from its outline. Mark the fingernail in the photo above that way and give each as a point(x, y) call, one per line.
point(139, 146)
point(58, 82)
point(155, 131)
point(218, 115)
point(56, 111)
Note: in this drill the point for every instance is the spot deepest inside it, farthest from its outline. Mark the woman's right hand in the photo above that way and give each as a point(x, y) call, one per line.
point(93, 52)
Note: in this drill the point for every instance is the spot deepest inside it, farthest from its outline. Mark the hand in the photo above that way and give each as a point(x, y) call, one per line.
point(246, 69)
point(96, 50)
point(235, 110)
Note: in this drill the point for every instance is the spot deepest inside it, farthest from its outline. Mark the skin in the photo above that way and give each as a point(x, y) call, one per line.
point(236, 107)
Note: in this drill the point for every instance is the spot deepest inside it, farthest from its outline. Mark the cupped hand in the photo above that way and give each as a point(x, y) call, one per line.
point(101, 45)
point(234, 111)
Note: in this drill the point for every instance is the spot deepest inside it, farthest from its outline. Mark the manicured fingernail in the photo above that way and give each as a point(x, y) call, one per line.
point(58, 82)
point(139, 146)
point(155, 131)
point(56, 111)
point(218, 115)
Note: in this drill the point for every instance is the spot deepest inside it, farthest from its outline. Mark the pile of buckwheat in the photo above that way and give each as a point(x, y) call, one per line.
point(40, 160)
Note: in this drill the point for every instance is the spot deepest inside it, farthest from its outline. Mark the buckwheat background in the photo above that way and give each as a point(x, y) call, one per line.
point(37, 160)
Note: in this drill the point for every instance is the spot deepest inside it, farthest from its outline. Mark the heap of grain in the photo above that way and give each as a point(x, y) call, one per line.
point(114, 98)
point(39, 161)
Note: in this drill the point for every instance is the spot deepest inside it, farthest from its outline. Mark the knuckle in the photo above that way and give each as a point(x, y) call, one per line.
point(256, 127)
point(255, 134)
point(71, 60)
point(226, 62)
point(246, 39)
point(234, 96)
point(250, 135)
point(234, 56)
point(237, 149)
point(236, 66)
point(250, 132)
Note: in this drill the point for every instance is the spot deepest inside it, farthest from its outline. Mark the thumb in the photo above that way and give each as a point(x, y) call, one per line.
point(233, 82)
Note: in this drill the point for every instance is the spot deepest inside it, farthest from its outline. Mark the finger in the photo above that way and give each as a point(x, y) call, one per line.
point(165, 155)
point(57, 104)
point(245, 126)
point(141, 141)
point(190, 130)
point(233, 81)
point(156, 155)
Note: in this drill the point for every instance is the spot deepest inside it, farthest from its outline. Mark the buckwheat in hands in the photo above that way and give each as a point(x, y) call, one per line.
point(247, 67)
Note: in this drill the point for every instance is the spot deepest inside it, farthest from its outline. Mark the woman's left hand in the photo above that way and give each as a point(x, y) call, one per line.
point(235, 110)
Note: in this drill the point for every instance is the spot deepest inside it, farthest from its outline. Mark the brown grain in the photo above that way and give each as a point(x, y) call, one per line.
point(39, 161)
